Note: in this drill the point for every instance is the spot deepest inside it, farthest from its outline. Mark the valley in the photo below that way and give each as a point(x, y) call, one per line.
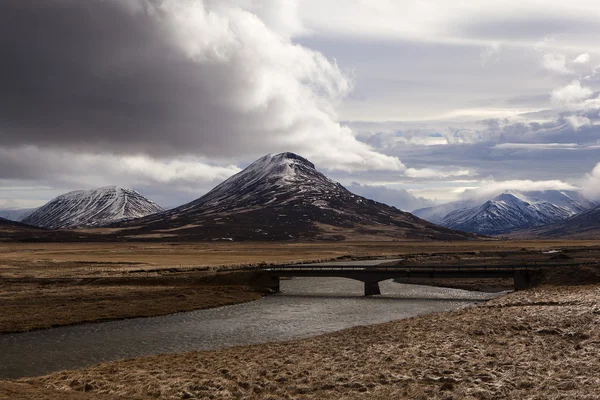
point(481, 351)
point(53, 284)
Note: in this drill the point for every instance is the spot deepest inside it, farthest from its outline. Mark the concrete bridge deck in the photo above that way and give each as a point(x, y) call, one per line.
point(371, 274)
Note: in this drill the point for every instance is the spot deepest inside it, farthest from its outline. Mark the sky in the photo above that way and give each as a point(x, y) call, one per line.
point(412, 103)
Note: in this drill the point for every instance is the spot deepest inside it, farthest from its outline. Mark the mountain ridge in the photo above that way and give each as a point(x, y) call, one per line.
point(283, 197)
point(94, 207)
point(585, 225)
point(508, 211)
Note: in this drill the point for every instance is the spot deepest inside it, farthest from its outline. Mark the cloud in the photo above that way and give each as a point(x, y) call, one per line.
point(491, 188)
point(399, 198)
point(171, 78)
point(556, 63)
point(578, 121)
point(582, 59)
point(591, 184)
point(571, 94)
point(88, 170)
point(490, 53)
point(431, 173)
point(540, 146)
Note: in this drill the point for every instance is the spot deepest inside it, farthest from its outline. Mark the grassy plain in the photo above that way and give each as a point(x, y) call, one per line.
point(84, 260)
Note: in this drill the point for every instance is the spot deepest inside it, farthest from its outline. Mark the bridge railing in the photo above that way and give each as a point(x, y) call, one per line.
point(431, 268)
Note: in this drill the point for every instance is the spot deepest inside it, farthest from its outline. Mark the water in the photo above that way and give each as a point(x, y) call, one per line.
point(306, 307)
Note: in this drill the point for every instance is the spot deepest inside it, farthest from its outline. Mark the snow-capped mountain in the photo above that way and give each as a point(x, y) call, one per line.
point(570, 200)
point(437, 213)
point(283, 197)
point(585, 225)
point(95, 207)
point(16, 214)
point(513, 210)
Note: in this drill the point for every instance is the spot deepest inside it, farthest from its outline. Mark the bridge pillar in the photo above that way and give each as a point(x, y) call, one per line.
point(266, 280)
point(522, 280)
point(372, 288)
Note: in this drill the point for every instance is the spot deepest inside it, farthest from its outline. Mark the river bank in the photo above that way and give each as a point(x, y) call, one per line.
point(542, 343)
point(28, 306)
point(46, 285)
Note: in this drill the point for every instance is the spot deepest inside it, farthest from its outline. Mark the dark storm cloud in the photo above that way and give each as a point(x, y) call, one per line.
point(167, 78)
point(96, 74)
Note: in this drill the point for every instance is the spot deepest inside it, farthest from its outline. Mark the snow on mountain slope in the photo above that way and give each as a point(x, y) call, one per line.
point(95, 207)
point(283, 197)
point(273, 178)
point(585, 225)
point(572, 201)
point(437, 213)
point(16, 214)
point(510, 211)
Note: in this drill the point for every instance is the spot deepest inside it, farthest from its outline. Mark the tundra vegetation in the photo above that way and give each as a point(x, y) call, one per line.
point(541, 343)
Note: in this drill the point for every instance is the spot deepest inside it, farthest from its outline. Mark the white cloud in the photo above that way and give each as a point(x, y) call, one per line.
point(87, 170)
point(556, 63)
point(578, 121)
point(431, 173)
point(591, 184)
point(399, 198)
point(490, 53)
point(582, 59)
point(570, 95)
point(539, 146)
point(491, 188)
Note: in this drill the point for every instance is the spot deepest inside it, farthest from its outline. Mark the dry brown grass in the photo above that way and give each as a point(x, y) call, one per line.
point(21, 391)
point(538, 344)
point(29, 306)
point(72, 260)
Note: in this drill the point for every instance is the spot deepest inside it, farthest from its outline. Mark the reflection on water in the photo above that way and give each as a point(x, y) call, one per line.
point(306, 307)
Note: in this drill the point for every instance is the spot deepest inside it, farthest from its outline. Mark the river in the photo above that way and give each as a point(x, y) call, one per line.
point(305, 307)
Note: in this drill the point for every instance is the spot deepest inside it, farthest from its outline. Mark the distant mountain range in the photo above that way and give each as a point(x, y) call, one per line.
point(283, 197)
point(507, 212)
point(89, 208)
point(16, 214)
point(585, 225)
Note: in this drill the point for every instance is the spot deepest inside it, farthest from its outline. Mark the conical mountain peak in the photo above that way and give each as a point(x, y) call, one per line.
point(283, 197)
point(274, 178)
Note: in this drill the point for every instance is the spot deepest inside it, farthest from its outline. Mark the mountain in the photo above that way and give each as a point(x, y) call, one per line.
point(437, 213)
point(585, 225)
point(283, 197)
point(16, 214)
point(95, 207)
point(569, 200)
point(509, 211)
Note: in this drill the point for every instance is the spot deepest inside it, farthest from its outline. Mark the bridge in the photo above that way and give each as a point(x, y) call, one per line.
point(371, 274)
